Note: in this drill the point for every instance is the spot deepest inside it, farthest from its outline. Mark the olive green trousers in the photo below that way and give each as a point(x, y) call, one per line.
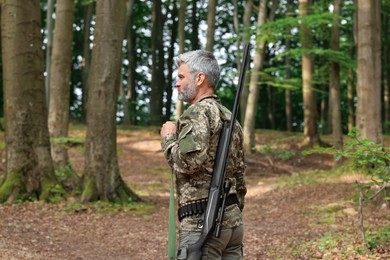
point(227, 247)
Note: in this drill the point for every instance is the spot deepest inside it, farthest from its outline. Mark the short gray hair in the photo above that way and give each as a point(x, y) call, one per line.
point(201, 61)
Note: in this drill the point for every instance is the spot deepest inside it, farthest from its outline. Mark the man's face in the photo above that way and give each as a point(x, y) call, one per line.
point(185, 84)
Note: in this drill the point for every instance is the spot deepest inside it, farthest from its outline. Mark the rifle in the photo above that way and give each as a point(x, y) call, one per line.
point(219, 188)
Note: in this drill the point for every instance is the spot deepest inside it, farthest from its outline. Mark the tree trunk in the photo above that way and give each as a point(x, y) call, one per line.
point(195, 26)
point(211, 13)
point(287, 62)
point(157, 92)
point(49, 36)
point(246, 20)
point(101, 179)
point(309, 99)
point(122, 92)
point(88, 12)
point(61, 63)
point(351, 75)
point(131, 83)
point(368, 118)
point(386, 72)
point(253, 97)
point(182, 38)
point(337, 130)
point(29, 169)
point(170, 63)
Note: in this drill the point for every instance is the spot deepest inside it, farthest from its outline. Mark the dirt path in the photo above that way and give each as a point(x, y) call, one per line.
point(278, 221)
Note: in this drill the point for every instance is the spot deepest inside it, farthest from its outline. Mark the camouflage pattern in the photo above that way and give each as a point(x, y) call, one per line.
point(191, 152)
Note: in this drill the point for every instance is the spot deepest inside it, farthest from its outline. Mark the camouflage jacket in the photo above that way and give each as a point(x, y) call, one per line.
point(191, 151)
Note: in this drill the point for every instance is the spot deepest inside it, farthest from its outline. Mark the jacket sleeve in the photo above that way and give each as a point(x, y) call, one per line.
point(186, 151)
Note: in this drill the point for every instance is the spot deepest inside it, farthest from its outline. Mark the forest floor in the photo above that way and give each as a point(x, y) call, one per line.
point(296, 208)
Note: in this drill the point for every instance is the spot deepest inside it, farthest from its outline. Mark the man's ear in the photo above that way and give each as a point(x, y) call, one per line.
point(200, 78)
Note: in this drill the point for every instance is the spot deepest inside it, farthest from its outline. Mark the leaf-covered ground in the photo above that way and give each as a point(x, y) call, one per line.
point(295, 209)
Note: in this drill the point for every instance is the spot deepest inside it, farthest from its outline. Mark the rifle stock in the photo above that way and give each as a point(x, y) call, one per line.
point(194, 251)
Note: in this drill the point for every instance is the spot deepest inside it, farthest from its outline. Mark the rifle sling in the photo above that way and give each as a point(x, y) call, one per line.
point(199, 206)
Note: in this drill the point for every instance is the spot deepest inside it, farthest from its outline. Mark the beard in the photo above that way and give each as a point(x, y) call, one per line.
point(188, 93)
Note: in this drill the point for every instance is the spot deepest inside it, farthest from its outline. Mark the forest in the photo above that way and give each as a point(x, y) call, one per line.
point(86, 74)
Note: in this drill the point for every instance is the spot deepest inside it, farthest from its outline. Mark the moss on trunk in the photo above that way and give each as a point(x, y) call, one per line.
point(12, 188)
point(122, 194)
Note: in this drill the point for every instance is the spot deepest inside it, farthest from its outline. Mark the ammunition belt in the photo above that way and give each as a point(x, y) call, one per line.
point(199, 206)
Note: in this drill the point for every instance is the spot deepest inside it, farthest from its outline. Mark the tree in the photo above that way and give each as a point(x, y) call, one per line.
point(158, 80)
point(101, 178)
point(61, 62)
point(335, 80)
point(88, 13)
point(49, 34)
point(310, 131)
point(29, 169)
point(131, 56)
point(386, 67)
point(368, 117)
point(170, 63)
point(128, 35)
point(253, 96)
point(211, 13)
point(287, 92)
point(182, 37)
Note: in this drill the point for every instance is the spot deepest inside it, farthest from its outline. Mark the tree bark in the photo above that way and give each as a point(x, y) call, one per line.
point(287, 62)
point(131, 82)
point(88, 12)
point(157, 89)
point(253, 97)
point(49, 36)
point(310, 132)
point(195, 26)
point(246, 20)
point(386, 72)
point(61, 63)
point(337, 130)
point(101, 179)
point(211, 14)
point(368, 114)
point(170, 63)
point(182, 37)
point(29, 169)
point(122, 92)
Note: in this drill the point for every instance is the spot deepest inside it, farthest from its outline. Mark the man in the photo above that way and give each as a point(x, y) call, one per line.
point(190, 146)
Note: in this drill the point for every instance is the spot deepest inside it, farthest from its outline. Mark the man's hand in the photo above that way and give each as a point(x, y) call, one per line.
point(168, 127)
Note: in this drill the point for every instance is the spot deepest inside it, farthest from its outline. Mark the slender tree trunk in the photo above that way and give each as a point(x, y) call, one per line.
point(182, 37)
point(351, 102)
point(102, 180)
point(351, 75)
point(170, 63)
point(195, 26)
point(88, 12)
point(49, 35)
point(156, 95)
point(369, 70)
point(29, 169)
point(309, 99)
point(211, 14)
point(122, 92)
point(61, 63)
point(246, 20)
point(386, 72)
point(337, 130)
point(131, 82)
point(287, 92)
point(258, 62)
